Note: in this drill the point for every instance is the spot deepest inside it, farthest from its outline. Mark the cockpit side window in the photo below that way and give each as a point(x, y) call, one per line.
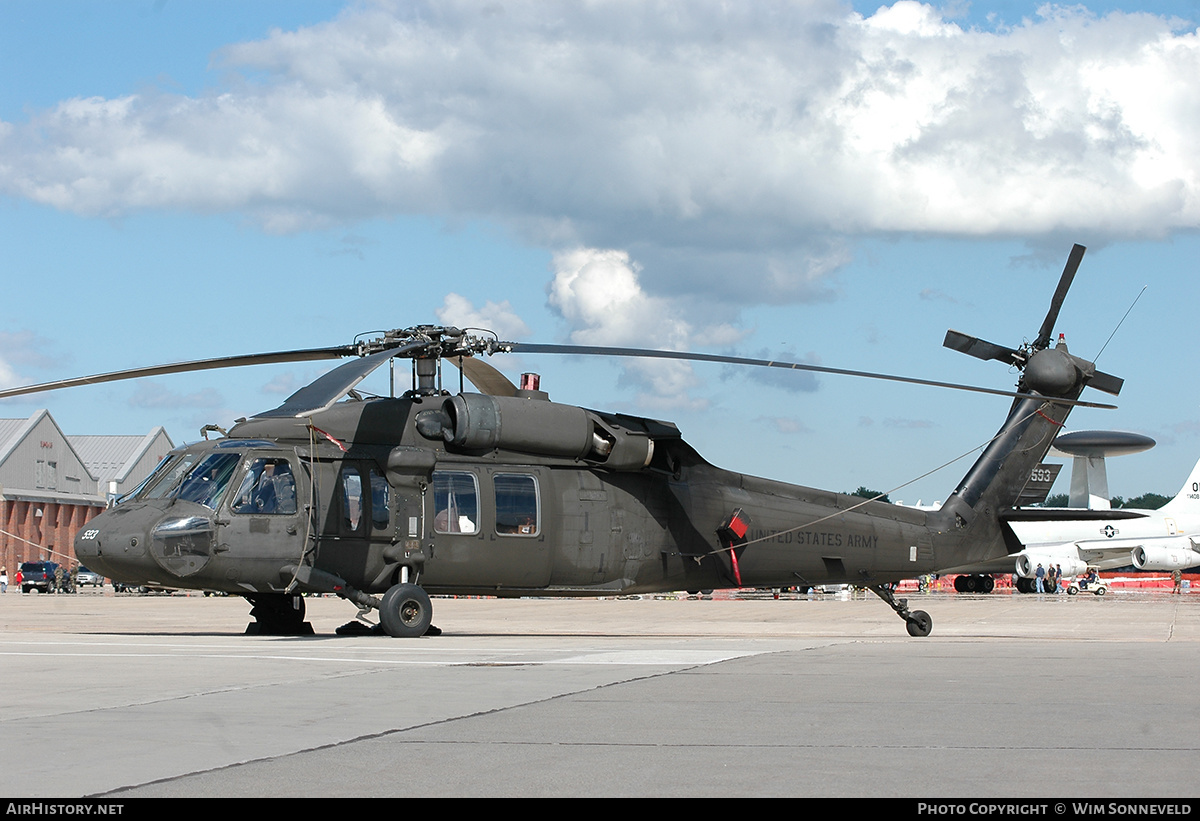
point(268, 488)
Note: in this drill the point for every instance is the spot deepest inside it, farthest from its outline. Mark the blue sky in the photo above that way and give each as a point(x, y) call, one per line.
point(831, 182)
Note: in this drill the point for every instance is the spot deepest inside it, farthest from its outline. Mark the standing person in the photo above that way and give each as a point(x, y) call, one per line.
point(1051, 580)
point(3, 579)
point(17, 579)
point(1040, 575)
point(1177, 577)
point(1058, 574)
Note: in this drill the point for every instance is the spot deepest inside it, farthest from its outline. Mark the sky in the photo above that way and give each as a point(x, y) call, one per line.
point(824, 181)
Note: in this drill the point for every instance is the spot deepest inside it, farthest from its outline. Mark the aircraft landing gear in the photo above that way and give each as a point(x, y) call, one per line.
point(918, 622)
point(405, 611)
point(277, 614)
point(974, 583)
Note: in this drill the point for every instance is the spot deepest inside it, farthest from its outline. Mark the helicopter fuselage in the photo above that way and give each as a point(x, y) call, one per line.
point(362, 497)
point(506, 493)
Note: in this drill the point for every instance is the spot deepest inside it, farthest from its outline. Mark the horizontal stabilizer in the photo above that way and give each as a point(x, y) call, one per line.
point(1066, 514)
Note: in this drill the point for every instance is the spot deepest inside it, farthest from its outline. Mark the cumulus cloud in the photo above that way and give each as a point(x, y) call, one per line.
point(703, 137)
point(499, 317)
point(599, 294)
point(8, 376)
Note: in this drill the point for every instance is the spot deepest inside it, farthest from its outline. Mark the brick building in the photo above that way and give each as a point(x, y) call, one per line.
point(52, 484)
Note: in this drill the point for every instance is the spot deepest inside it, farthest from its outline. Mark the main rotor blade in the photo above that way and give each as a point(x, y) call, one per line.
point(335, 384)
point(184, 367)
point(484, 376)
point(1060, 293)
point(595, 350)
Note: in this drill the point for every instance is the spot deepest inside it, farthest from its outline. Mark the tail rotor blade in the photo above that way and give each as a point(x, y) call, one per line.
point(1064, 284)
point(1106, 382)
point(979, 348)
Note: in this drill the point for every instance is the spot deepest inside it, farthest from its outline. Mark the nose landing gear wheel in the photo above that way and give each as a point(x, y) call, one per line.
point(405, 611)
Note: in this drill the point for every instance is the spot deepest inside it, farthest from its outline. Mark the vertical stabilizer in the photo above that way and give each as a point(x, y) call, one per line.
point(968, 525)
point(1187, 500)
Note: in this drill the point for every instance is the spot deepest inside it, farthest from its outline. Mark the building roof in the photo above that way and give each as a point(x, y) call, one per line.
point(112, 457)
point(104, 458)
point(12, 431)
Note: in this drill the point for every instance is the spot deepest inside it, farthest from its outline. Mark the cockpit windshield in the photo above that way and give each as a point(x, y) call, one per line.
point(207, 482)
point(165, 477)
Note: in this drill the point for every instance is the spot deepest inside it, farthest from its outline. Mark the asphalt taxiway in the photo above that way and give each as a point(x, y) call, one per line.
point(1012, 696)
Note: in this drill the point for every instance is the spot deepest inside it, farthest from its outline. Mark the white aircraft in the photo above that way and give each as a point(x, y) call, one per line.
point(1157, 540)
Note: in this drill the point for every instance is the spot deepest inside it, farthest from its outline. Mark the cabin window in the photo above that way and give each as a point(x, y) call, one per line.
point(267, 488)
point(516, 504)
point(456, 502)
point(380, 494)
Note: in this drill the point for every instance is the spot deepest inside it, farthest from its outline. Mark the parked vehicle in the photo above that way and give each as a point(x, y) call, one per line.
point(1088, 583)
point(83, 576)
point(39, 577)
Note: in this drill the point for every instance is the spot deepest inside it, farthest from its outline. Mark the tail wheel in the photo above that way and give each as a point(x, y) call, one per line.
point(405, 611)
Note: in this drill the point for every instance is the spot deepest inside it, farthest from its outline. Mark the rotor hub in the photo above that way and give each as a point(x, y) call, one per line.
point(1052, 372)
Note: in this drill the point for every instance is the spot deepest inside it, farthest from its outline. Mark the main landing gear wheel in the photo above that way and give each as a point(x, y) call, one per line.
point(277, 614)
point(919, 623)
point(405, 611)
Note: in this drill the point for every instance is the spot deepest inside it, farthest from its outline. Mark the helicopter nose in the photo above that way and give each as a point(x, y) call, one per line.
point(184, 543)
point(140, 542)
point(114, 543)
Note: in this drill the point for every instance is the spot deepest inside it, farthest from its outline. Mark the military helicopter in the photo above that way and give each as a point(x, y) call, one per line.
point(386, 500)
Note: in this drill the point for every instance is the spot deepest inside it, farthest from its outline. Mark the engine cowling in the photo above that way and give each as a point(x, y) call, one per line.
point(536, 426)
point(1026, 566)
point(1166, 554)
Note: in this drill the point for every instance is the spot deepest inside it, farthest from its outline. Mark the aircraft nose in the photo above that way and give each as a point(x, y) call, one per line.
point(114, 543)
point(183, 543)
point(139, 543)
